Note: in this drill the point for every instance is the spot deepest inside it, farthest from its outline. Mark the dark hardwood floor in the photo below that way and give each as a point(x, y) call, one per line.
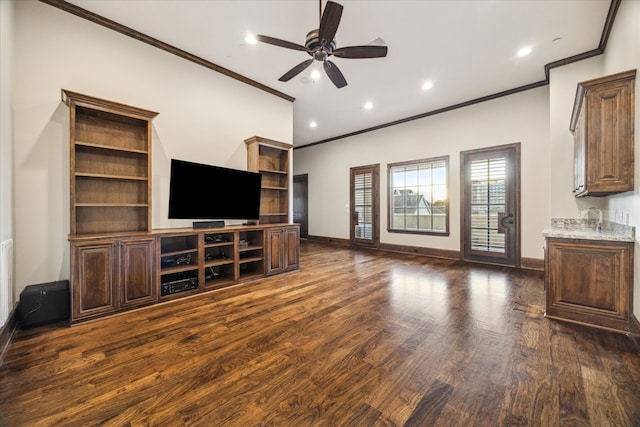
point(356, 338)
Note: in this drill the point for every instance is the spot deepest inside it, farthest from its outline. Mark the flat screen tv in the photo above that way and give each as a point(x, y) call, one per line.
point(206, 192)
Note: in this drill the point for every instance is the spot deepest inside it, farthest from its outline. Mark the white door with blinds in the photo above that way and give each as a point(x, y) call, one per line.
point(364, 224)
point(490, 207)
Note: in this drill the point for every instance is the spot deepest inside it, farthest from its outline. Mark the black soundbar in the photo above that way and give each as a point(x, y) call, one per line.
point(208, 224)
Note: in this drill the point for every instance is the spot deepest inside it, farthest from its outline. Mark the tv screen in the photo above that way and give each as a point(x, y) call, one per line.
point(199, 191)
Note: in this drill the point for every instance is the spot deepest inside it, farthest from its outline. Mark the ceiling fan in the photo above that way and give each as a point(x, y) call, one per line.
point(320, 45)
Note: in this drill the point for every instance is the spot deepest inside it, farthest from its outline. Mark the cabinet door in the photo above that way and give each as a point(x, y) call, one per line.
point(137, 268)
point(589, 282)
point(292, 249)
point(610, 151)
point(283, 249)
point(275, 254)
point(94, 271)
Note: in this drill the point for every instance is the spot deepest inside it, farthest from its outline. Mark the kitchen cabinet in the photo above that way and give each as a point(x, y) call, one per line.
point(590, 282)
point(602, 123)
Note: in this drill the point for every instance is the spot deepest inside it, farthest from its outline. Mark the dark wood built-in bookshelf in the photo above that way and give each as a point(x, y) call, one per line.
point(271, 159)
point(110, 165)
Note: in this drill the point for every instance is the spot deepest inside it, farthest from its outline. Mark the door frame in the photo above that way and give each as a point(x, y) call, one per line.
point(514, 258)
point(375, 214)
point(304, 180)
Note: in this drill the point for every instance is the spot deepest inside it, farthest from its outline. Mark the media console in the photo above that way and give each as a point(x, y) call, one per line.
point(117, 261)
point(111, 273)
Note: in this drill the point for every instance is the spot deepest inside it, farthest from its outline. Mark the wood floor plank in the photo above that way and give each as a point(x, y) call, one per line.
point(355, 338)
point(428, 409)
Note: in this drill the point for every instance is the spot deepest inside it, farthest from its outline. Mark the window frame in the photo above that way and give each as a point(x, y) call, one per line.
point(390, 188)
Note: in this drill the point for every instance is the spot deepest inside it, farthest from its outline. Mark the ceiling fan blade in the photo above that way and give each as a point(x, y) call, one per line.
point(377, 42)
point(281, 43)
point(295, 70)
point(367, 51)
point(329, 22)
point(334, 74)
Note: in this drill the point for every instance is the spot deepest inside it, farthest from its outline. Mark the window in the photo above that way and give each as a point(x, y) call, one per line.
point(488, 200)
point(419, 196)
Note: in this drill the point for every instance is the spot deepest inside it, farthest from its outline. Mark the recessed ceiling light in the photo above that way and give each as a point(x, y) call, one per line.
point(250, 39)
point(427, 85)
point(313, 124)
point(524, 51)
point(368, 105)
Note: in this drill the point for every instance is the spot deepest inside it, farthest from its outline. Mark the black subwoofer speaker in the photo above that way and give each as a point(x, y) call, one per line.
point(44, 303)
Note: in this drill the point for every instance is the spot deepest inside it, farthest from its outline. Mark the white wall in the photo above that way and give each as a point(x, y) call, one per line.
point(563, 82)
point(522, 117)
point(6, 149)
point(204, 117)
point(622, 53)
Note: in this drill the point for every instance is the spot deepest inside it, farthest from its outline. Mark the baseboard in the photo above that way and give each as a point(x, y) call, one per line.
point(332, 240)
point(634, 325)
point(532, 264)
point(634, 331)
point(6, 332)
point(419, 250)
point(525, 263)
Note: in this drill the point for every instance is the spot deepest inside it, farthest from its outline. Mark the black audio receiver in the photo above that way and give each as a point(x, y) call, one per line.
point(180, 285)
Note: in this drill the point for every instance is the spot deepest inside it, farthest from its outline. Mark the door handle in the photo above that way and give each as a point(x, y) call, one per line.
point(504, 220)
point(507, 220)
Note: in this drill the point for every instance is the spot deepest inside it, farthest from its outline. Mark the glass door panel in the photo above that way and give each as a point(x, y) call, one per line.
point(491, 204)
point(364, 206)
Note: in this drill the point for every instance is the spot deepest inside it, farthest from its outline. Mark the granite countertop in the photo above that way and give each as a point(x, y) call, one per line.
point(571, 228)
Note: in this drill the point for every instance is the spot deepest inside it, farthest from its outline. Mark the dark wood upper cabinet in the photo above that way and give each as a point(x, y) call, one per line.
point(602, 126)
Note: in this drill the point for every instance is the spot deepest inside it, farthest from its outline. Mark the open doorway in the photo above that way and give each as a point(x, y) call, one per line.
point(301, 203)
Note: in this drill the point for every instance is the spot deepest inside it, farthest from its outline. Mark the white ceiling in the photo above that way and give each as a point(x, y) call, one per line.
point(467, 49)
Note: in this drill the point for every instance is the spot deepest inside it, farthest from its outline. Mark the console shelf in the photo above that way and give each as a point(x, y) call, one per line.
point(219, 259)
point(174, 263)
point(178, 262)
